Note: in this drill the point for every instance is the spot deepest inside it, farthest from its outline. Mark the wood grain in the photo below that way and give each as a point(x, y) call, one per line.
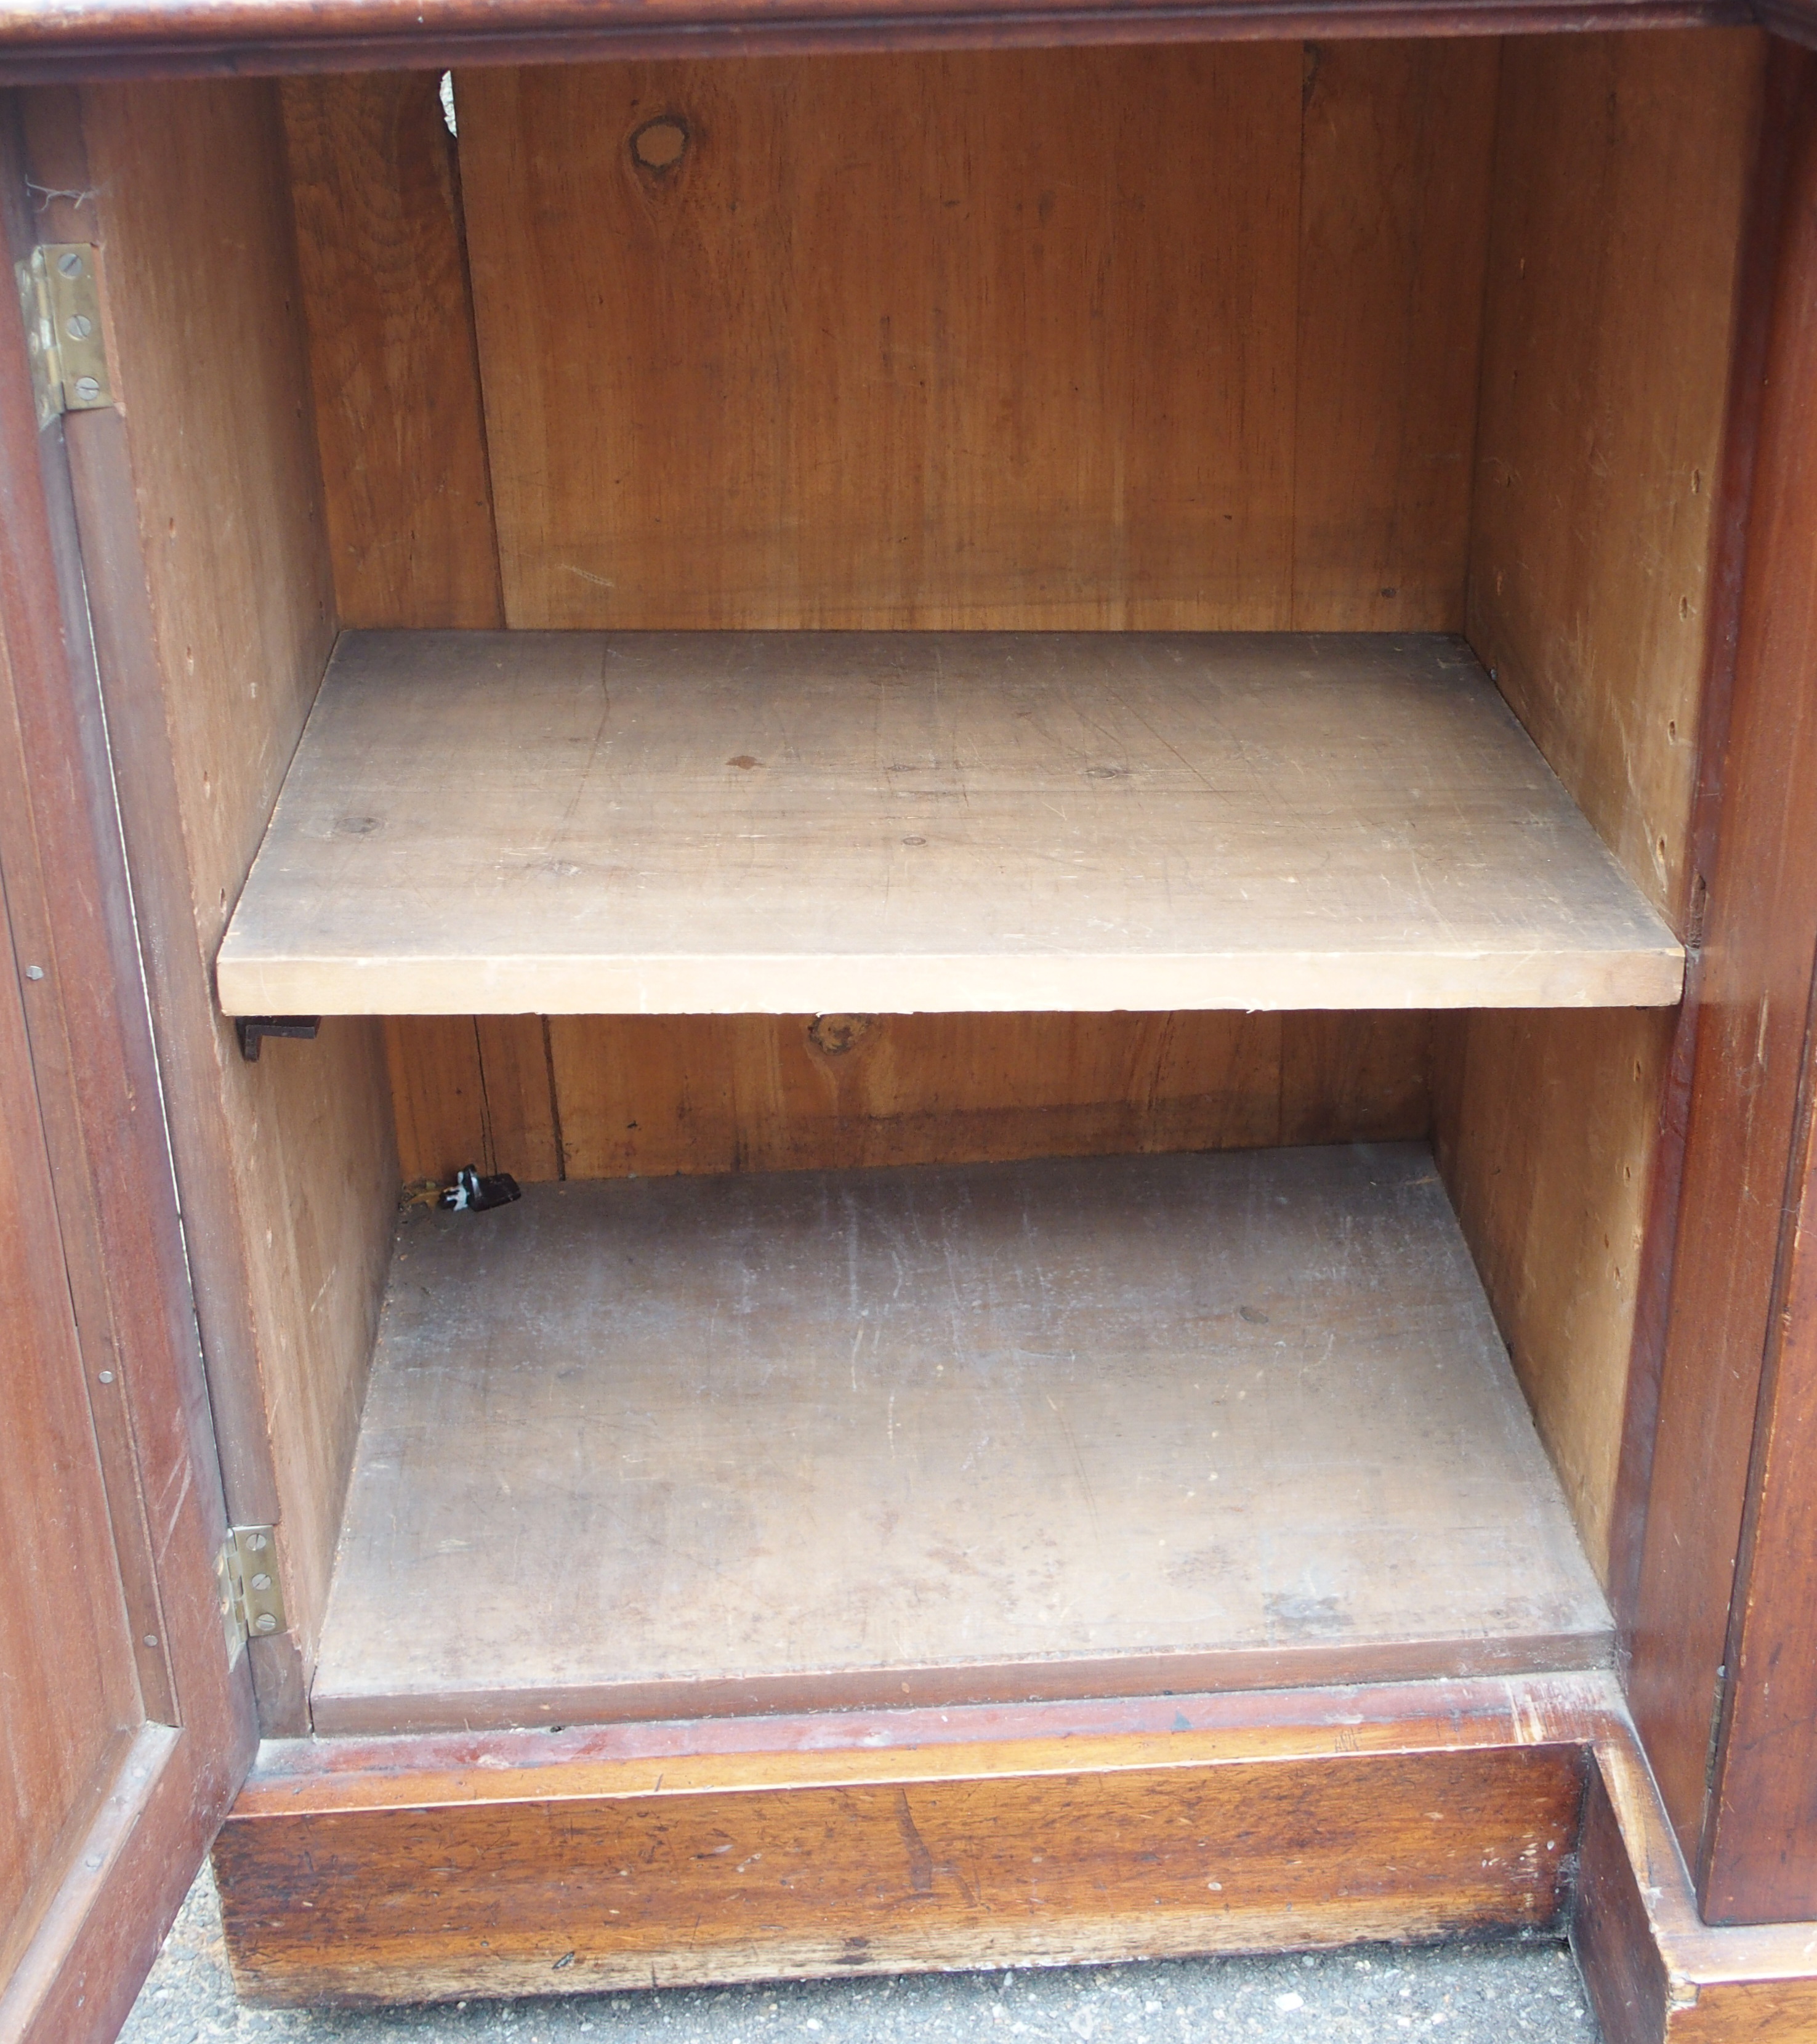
point(902, 1840)
point(1757, 276)
point(1763, 1828)
point(68, 1710)
point(1621, 180)
point(1546, 1126)
point(1657, 1974)
point(996, 1430)
point(108, 1598)
point(1760, 1821)
point(1398, 142)
point(816, 403)
point(644, 1096)
point(376, 183)
point(1755, 992)
point(1393, 228)
point(182, 38)
point(202, 534)
point(849, 823)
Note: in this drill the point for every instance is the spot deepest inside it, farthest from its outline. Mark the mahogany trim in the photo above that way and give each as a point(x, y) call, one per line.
point(96, 1076)
point(355, 1872)
point(105, 39)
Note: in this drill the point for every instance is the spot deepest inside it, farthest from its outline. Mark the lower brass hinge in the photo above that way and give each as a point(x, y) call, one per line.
point(246, 1577)
point(60, 294)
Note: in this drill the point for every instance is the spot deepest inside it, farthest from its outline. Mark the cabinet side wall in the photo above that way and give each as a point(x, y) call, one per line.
point(204, 536)
point(1622, 176)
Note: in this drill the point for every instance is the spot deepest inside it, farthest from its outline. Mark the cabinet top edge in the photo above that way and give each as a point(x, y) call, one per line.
point(66, 41)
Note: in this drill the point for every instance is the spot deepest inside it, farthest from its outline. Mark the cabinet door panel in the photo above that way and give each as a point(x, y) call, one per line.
point(127, 1727)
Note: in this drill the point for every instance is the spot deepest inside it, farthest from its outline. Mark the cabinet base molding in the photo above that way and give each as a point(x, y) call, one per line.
point(358, 1871)
point(1654, 1971)
point(361, 1871)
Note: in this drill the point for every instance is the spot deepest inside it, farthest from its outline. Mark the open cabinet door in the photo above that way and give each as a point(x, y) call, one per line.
point(125, 1717)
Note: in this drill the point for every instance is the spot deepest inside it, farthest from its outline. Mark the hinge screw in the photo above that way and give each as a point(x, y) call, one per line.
point(70, 264)
point(87, 389)
point(264, 1623)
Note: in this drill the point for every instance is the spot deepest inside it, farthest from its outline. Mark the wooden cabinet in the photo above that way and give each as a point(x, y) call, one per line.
point(1096, 757)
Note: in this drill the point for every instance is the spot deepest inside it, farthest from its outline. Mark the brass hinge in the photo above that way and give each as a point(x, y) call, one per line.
point(246, 1577)
point(60, 294)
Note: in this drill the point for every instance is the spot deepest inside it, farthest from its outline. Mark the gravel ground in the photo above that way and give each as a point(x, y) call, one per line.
point(1375, 1994)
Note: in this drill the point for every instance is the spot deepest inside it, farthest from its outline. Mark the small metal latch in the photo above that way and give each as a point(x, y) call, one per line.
point(246, 1577)
point(251, 1027)
point(60, 294)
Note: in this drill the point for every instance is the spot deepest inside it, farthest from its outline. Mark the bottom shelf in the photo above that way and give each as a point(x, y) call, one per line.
point(1078, 1427)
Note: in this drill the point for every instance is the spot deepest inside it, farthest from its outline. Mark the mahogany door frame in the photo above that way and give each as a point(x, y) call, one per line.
point(186, 1743)
point(1724, 1569)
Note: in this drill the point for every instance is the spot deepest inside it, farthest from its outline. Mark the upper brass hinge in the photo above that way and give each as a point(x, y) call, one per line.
point(246, 1578)
point(60, 294)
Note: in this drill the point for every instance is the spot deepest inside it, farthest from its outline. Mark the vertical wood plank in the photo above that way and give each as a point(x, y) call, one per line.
point(1621, 178)
point(1759, 1859)
point(438, 1095)
point(1393, 234)
point(520, 1095)
point(997, 339)
point(376, 182)
point(1545, 1137)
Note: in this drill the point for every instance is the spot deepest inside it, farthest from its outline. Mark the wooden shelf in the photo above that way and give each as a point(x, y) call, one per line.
point(803, 823)
point(665, 1447)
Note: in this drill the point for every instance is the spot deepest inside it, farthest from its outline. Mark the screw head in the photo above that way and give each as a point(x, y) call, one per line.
point(264, 1623)
point(87, 389)
point(261, 1582)
point(78, 326)
point(107, 1376)
point(70, 264)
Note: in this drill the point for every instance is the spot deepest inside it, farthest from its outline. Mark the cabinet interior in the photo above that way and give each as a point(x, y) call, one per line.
point(1425, 339)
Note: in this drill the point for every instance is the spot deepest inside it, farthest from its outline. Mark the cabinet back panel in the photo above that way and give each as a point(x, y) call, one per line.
point(1170, 338)
point(607, 1097)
